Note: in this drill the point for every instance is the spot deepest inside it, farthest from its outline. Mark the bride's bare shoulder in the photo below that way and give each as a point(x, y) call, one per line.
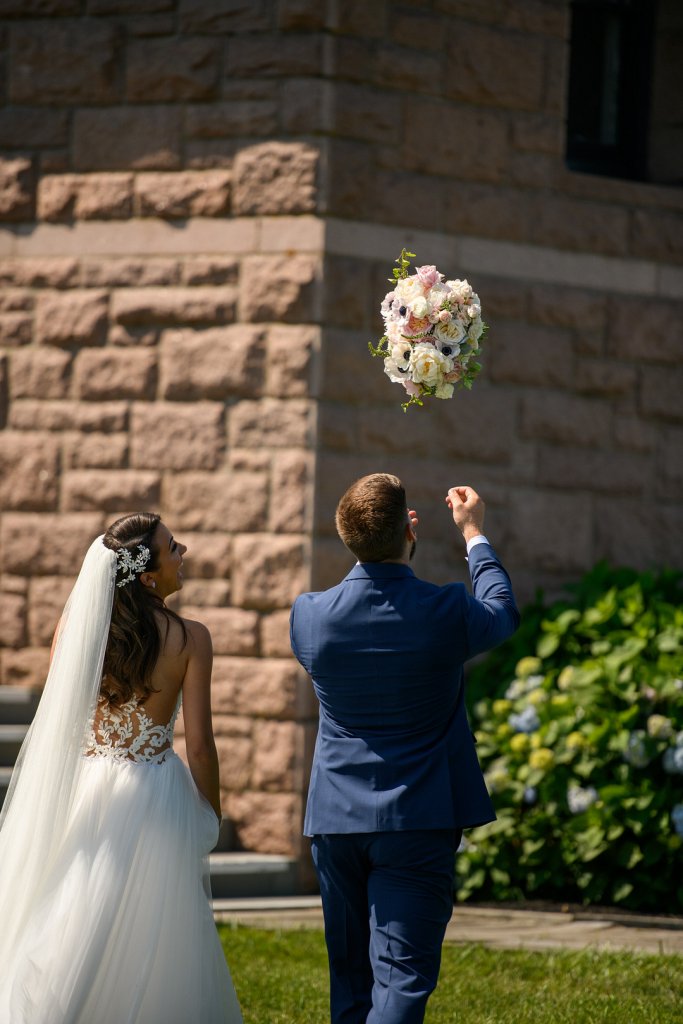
point(199, 637)
point(185, 638)
point(173, 634)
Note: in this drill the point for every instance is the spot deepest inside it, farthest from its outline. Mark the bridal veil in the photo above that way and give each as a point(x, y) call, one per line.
point(46, 777)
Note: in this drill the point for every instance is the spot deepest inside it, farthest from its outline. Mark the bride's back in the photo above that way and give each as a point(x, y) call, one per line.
point(169, 671)
point(140, 727)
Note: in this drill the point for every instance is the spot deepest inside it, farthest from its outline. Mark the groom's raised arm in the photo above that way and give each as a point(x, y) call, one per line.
point(491, 615)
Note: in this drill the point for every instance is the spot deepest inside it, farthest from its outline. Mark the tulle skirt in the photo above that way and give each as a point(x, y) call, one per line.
point(121, 931)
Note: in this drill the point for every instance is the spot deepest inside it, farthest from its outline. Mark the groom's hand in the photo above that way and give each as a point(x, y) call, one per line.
point(468, 510)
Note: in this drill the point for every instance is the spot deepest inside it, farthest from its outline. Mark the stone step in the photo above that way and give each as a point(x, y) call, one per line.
point(270, 911)
point(18, 704)
point(246, 875)
point(11, 738)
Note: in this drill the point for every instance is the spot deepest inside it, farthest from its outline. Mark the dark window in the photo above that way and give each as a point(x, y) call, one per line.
point(610, 85)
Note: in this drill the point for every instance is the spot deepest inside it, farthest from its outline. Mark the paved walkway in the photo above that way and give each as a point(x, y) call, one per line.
point(502, 928)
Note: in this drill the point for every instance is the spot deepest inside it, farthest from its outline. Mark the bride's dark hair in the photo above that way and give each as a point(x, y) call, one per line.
point(135, 639)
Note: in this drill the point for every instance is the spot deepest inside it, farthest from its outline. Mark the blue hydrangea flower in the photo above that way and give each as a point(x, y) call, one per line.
point(580, 799)
point(525, 721)
point(677, 818)
point(635, 753)
point(515, 689)
point(672, 761)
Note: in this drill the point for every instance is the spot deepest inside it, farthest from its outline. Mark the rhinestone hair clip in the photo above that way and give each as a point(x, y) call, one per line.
point(126, 563)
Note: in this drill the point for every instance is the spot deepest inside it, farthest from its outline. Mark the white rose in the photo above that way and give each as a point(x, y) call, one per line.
point(438, 293)
point(475, 331)
point(451, 332)
point(408, 289)
point(444, 390)
point(428, 365)
point(419, 307)
point(460, 290)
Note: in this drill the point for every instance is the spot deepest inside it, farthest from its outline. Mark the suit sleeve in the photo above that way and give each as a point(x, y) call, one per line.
point(292, 637)
point(491, 614)
point(300, 626)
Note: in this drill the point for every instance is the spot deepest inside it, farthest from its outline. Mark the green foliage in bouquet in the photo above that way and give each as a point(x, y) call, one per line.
point(403, 268)
point(398, 273)
point(580, 731)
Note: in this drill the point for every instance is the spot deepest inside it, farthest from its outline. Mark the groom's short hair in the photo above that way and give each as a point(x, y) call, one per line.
point(372, 517)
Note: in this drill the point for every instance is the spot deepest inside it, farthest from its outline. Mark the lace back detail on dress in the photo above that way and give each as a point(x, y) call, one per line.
point(127, 733)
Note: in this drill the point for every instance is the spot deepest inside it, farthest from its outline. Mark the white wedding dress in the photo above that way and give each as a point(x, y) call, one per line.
point(119, 929)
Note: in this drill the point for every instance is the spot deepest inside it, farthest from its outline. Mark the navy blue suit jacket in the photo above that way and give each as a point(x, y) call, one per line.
point(385, 651)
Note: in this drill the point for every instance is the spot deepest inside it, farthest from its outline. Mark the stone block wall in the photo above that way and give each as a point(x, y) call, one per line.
point(444, 125)
point(200, 203)
point(572, 436)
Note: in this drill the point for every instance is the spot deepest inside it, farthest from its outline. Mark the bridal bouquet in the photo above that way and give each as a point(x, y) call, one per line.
point(433, 329)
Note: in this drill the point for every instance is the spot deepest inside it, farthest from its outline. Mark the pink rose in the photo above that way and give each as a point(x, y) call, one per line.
point(428, 276)
point(416, 326)
point(412, 388)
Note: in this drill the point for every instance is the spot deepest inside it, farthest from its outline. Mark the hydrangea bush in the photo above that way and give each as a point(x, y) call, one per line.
point(580, 734)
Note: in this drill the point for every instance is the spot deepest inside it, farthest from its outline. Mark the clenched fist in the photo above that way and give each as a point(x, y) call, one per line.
point(468, 510)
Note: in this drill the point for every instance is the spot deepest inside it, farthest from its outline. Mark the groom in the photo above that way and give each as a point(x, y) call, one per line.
point(395, 775)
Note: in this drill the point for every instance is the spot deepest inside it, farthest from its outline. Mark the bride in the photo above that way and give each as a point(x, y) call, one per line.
point(104, 835)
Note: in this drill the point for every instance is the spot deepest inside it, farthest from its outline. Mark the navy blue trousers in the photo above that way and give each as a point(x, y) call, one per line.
point(387, 898)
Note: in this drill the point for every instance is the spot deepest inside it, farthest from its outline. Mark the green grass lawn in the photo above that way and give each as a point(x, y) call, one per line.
point(281, 978)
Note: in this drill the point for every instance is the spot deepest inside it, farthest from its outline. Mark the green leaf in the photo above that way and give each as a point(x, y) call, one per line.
point(381, 349)
point(403, 268)
point(476, 879)
point(631, 648)
point(621, 890)
point(414, 400)
point(567, 619)
point(547, 645)
point(668, 641)
point(629, 855)
point(550, 734)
